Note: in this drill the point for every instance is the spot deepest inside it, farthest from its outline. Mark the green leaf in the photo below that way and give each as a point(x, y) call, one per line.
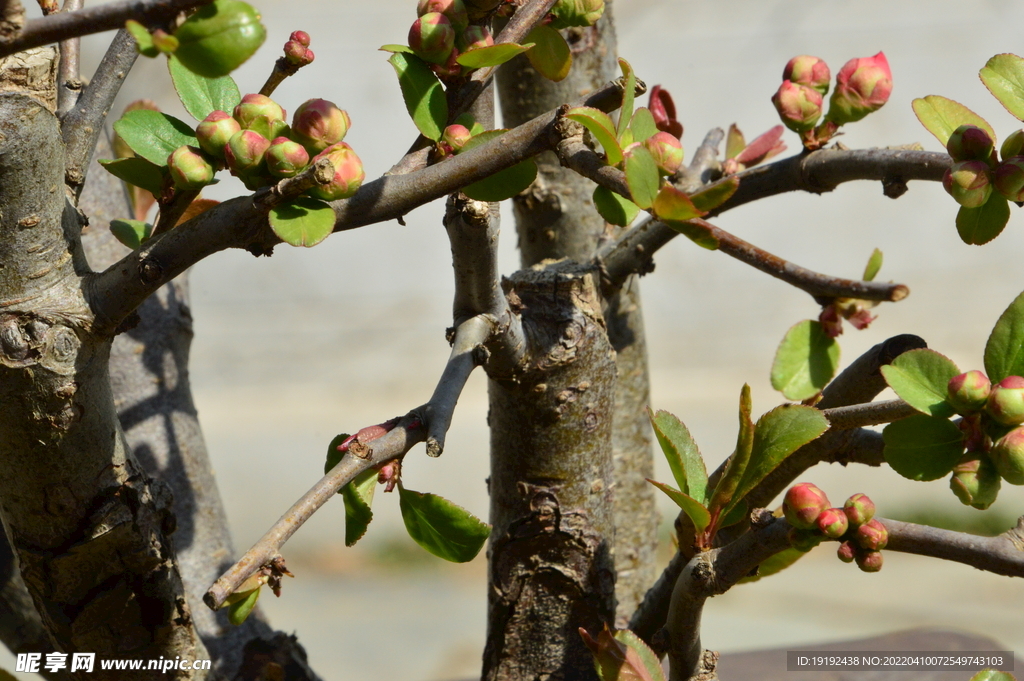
point(737, 464)
point(922, 447)
point(650, 661)
point(601, 127)
point(874, 264)
point(137, 171)
point(1003, 75)
point(714, 195)
point(941, 116)
point(734, 142)
point(424, 97)
point(642, 176)
point(358, 496)
point(778, 434)
point(442, 528)
point(805, 362)
point(1004, 351)
point(303, 221)
point(504, 184)
point(615, 209)
point(681, 451)
point(674, 205)
point(201, 96)
point(334, 457)
point(777, 563)
point(920, 378)
point(643, 125)
point(980, 225)
point(993, 675)
point(628, 95)
point(219, 37)
point(239, 609)
point(143, 38)
point(492, 55)
point(131, 233)
point(550, 56)
point(693, 508)
point(404, 49)
point(154, 135)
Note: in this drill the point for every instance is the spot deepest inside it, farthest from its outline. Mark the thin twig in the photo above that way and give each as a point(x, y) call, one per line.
point(83, 124)
point(69, 79)
point(289, 188)
point(437, 413)
point(107, 17)
point(870, 414)
point(1002, 554)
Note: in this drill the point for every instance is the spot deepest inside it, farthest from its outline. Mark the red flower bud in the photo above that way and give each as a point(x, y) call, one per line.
point(859, 509)
point(297, 54)
point(869, 561)
point(968, 182)
point(667, 152)
point(286, 158)
point(189, 168)
point(862, 86)
point(970, 143)
point(474, 37)
point(455, 136)
point(1008, 456)
point(969, 391)
point(244, 152)
point(833, 523)
point(214, 132)
point(318, 123)
point(872, 535)
point(348, 173)
point(847, 551)
point(799, 106)
point(810, 71)
point(803, 504)
point(261, 114)
point(975, 481)
point(1008, 178)
point(301, 37)
point(453, 10)
point(432, 38)
point(1006, 401)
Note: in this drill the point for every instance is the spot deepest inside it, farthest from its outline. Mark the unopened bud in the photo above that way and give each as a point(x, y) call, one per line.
point(847, 551)
point(432, 37)
point(297, 54)
point(1008, 178)
point(1008, 456)
point(449, 70)
point(859, 509)
point(453, 10)
point(810, 71)
point(804, 540)
point(799, 106)
point(261, 114)
point(567, 13)
point(286, 158)
point(244, 151)
point(301, 37)
point(969, 391)
point(862, 86)
point(348, 173)
point(872, 535)
point(667, 152)
point(869, 561)
point(970, 143)
point(474, 37)
point(975, 481)
point(318, 123)
point(803, 504)
point(833, 523)
point(189, 168)
point(1006, 401)
point(455, 136)
point(968, 182)
point(214, 132)
point(1012, 145)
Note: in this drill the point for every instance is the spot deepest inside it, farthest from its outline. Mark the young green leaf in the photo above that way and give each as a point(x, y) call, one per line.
point(143, 38)
point(200, 95)
point(240, 605)
point(131, 233)
point(492, 55)
point(138, 172)
point(977, 226)
point(442, 528)
point(642, 176)
point(404, 49)
point(777, 563)
point(333, 455)
point(693, 508)
point(154, 135)
point(642, 125)
point(874, 264)
point(424, 97)
point(1003, 75)
point(358, 496)
point(628, 95)
point(684, 458)
point(622, 656)
point(706, 199)
point(701, 235)
point(920, 378)
point(922, 447)
point(615, 209)
point(550, 56)
point(601, 127)
point(649, 660)
point(941, 116)
point(993, 675)
point(303, 221)
point(734, 142)
point(737, 464)
point(673, 205)
point(1004, 351)
point(219, 37)
point(805, 362)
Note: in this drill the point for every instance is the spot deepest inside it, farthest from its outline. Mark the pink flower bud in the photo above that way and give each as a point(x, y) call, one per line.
point(1008, 178)
point(214, 132)
point(803, 504)
point(318, 123)
point(862, 86)
point(1012, 145)
point(810, 71)
point(663, 109)
point(453, 10)
point(968, 182)
point(799, 106)
point(667, 152)
point(970, 143)
point(455, 137)
point(261, 114)
point(348, 173)
point(301, 37)
point(833, 523)
point(872, 535)
point(244, 152)
point(474, 37)
point(297, 54)
point(1008, 456)
point(803, 540)
point(869, 561)
point(189, 168)
point(968, 392)
point(975, 481)
point(286, 158)
point(432, 38)
point(859, 509)
point(1006, 401)
point(847, 551)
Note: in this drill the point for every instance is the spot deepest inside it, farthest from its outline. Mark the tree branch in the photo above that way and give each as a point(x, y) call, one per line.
point(66, 25)
point(870, 414)
point(1002, 554)
point(437, 413)
point(69, 82)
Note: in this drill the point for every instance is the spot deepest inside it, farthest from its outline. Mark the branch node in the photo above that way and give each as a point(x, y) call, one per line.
point(290, 188)
point(894, 186)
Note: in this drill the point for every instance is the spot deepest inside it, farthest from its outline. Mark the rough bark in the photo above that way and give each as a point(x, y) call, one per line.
point(556, 219)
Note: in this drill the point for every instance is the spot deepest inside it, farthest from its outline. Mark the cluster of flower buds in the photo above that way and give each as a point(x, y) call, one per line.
point(989, 412)
point(296, 50)
point(813, 520)
point(862, 86)
point(442, 32)
point(259, 147)
point(977, 171)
